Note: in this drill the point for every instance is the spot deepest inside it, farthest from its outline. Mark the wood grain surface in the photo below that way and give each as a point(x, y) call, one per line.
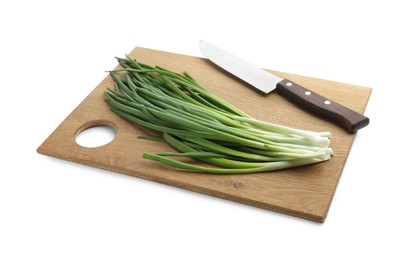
point(304, 192)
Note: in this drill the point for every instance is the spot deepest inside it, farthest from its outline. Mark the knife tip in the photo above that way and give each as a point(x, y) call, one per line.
point(201, 42)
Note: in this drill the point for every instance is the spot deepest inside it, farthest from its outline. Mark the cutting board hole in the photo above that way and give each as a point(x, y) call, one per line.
point(95, 135)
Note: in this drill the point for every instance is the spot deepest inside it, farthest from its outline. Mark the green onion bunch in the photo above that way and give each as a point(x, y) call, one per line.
point(206, 128)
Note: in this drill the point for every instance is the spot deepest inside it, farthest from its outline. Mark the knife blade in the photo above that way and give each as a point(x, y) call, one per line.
point(301, 96)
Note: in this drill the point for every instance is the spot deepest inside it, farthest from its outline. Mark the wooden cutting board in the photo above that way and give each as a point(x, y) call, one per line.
point(304, 192)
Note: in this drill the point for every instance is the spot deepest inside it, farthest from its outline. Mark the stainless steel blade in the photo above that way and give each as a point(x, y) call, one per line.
point(258, 78)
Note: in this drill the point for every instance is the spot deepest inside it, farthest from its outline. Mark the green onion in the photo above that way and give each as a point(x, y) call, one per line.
point(218, 137)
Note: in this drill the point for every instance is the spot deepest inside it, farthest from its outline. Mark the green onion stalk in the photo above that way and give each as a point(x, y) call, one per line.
point(202, 126)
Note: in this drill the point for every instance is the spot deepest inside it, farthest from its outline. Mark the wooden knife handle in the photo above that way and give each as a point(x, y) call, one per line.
point(347, 118)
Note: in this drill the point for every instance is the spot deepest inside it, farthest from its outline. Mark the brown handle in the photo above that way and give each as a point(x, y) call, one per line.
point(347, 118)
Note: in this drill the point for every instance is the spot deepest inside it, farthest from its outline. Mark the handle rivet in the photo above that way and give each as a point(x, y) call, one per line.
point(327, 102)
point(308, 93)
point(289, 84)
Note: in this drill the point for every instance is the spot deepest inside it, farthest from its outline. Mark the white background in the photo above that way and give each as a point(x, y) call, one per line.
point(53, 53)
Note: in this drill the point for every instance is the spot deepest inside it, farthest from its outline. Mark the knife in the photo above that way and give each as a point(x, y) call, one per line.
point(266, 82)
